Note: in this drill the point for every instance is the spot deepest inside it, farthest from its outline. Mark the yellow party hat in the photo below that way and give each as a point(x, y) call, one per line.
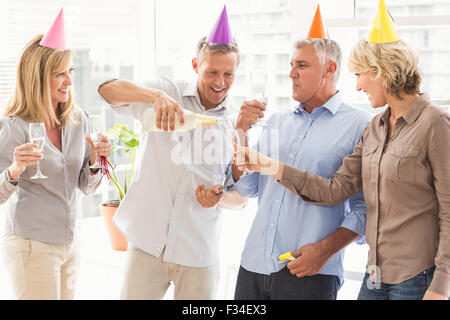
point(383, 29)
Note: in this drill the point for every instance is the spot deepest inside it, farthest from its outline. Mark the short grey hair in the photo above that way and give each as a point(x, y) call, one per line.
point(326, 50)
point(203, 46)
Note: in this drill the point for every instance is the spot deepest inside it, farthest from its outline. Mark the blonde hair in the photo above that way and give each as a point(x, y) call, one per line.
point(395, 62)
point(31, 100)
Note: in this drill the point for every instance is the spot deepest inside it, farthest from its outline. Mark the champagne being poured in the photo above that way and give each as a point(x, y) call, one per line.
point(191, 121)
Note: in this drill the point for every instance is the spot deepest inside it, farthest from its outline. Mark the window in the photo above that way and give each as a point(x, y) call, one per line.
point(282, 61)
point(260, 61)
point(100, 34)
point(138, 39)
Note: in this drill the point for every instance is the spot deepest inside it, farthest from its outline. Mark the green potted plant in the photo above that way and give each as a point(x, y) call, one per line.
point(126, 140)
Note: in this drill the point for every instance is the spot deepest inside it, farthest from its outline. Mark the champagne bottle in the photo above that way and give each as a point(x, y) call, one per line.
point(191, 121)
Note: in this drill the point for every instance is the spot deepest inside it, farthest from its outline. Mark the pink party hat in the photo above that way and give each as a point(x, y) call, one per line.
point(221, 33)
point(55, 37)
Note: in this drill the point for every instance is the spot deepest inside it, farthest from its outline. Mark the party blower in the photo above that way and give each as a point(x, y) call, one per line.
point(286, 256)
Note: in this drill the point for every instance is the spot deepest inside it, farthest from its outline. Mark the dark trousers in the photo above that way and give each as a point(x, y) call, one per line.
point(282, 285)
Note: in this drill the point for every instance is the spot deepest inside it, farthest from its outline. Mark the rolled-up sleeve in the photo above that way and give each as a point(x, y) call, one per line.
point(132, 109)
point(6, 188)
point(88, 181)
point(7, 146)
point(355, 217)
point(247, 186)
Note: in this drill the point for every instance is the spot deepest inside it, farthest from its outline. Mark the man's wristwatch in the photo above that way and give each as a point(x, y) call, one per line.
point(8, 178)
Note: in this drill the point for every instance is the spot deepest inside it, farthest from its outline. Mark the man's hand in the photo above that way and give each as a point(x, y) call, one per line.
point(165, 108)
point(123, 91)
point(250, 112)
point(309, 260)
point(208, 198)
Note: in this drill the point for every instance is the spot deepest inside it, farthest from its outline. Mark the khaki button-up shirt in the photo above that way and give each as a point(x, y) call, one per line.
point(406, 183)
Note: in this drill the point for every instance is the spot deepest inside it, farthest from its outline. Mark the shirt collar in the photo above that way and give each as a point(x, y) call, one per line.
point(332, 105)
point(414, 111)
point(416, 108)
point(192, 91)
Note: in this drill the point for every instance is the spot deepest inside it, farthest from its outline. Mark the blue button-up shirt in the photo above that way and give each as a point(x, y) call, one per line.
point(315, 142)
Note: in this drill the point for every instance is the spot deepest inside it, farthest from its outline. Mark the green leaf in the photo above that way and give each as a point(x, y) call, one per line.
point(132, 143)
point(124, 139)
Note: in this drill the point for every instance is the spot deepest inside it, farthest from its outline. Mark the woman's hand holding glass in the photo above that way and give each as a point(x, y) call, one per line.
point(100, 148)
point(95, 133)
point(250, 112)
point(24, 156)
point(250, 159)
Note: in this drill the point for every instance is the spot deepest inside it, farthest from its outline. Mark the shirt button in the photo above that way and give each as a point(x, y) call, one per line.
point(300, 137)
point(291, 156)
point(272, 225)
point(278, 201)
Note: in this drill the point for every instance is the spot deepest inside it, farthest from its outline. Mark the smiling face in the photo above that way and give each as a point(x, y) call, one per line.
point(373, 87)
point(60, 84)
point(216, 74)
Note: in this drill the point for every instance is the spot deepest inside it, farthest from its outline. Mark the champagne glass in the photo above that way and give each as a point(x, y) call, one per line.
point(95, 133)
point(37, 135)
point(232, 136)
point(227, 127)
point(240, 141)
point(258, 89)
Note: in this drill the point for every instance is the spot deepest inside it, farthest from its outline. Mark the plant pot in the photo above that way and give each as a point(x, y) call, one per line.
point(118, 241)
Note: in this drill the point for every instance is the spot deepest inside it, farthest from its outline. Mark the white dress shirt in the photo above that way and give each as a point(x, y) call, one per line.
point(160, 209)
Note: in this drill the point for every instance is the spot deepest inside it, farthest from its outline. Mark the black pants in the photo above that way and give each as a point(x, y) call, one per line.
point(283, 285)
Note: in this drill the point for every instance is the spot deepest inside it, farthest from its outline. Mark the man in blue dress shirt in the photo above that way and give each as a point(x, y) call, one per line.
point(314, 137)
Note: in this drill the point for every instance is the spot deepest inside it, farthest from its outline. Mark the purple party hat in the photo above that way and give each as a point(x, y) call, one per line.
point(221, 33)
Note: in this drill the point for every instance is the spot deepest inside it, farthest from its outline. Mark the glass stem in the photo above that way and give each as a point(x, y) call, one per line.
point(39, 173)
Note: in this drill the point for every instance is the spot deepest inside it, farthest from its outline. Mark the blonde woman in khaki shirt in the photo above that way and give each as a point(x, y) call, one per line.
point(40, 246)
point(403, 164)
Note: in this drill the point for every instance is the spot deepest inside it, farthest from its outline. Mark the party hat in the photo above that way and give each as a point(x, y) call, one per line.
point(318, 29)
point(55, 37)
point(383, 29)
point(221, 34)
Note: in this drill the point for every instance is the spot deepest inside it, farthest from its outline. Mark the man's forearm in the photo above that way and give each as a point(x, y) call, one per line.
point(123, 91)
point(231, 200)
point(338, 240)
